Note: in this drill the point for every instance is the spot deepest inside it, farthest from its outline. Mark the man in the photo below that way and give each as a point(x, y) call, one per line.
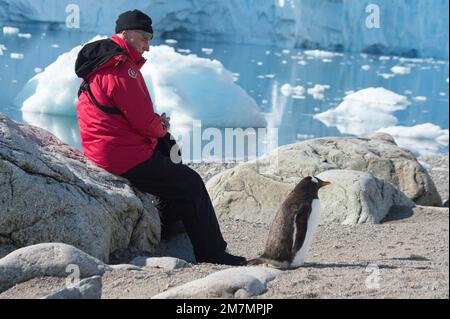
point(120, 133)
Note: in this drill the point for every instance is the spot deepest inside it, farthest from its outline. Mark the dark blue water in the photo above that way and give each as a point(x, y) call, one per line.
point(262, 71)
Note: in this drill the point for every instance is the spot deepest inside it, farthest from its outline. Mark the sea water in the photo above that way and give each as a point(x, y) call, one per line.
point(268, 74)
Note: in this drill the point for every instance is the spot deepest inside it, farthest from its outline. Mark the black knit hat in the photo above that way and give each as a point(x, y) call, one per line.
point(134, 20)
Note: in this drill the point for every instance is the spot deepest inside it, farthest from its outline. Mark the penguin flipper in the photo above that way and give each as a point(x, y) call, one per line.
point(301, 224)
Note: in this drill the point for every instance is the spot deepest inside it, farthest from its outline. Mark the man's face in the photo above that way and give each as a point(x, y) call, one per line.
point(139, 40)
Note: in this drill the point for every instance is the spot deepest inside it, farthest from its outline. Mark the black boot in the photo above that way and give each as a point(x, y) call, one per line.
point(225, 259)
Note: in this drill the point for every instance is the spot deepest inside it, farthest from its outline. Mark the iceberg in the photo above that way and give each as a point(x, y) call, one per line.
point(423, 139)
point(365, 111)
point(185, 87)
point(407, 28)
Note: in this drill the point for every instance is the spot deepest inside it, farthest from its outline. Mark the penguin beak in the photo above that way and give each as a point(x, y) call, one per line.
point(324, 183)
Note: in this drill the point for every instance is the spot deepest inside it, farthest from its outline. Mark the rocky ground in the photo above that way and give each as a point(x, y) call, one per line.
point(405, 257)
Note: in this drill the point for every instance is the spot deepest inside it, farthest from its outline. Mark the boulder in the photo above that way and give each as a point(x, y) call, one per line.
point(49, 259)
point(49, 192)
point(237, 282)
point(89, 288)
point(358, 198)
point(254, 190)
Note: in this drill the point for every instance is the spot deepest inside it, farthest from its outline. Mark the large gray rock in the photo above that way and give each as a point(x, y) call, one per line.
point(254, 191)
point(358, 197)
point(89, 288)
point(238, 282)
point(49, 192)
point(50, 259)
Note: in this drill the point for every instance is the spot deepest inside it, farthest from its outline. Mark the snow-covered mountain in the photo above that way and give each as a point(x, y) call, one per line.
point(406, 27)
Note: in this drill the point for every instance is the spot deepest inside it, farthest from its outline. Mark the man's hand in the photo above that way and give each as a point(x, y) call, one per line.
point(165, 121)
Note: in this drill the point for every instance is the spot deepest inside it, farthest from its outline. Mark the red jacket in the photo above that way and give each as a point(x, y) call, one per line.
point(116, 142)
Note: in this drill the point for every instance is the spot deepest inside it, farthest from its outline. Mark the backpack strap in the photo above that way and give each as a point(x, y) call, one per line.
point(107, 109)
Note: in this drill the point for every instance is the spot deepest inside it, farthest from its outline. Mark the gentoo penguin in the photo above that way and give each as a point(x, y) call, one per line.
point(292, 229)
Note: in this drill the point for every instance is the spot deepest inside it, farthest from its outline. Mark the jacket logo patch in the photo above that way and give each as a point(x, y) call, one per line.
point(132, 73)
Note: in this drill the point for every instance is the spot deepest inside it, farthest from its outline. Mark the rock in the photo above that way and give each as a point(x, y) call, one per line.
point(51, 259)
point(89, 288)
point(445, 204)
point(357, 198)
point(254, 190)
point(126, 267)
point(238, 282)
point(49, 192)
point(167, 263)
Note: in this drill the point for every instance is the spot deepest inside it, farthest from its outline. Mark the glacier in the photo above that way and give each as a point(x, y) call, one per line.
point(407, 27)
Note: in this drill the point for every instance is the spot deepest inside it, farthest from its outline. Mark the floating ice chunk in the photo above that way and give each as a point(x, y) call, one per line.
point(207, 51)
point(318, 91)
point(54, 90)
point(304, 136)
point(37, 70)
point(321, 54)
point(384, 58)
point(171, 41)
point(2, 48)
point(286, 51)
point(387, 75)
point(10, 30)
point(366, 67)
point(260, 63)
point(284, 62)
point(349, 92)
point(302, 62)
point(187, 51)
point(365, 111)
point(269, 76)
point(24, 35)
point(327, 60)
point(401, 69)
point(420, 98)
point(16, 56)
point(442, 94)
point(288, 90)
point(316, 109)
point(55, 46)
point(422, 139)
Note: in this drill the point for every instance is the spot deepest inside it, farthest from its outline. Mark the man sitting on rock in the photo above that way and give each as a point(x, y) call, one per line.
point(121, 133)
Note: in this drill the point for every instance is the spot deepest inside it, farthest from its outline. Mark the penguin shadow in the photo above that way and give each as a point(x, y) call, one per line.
point(398, 213)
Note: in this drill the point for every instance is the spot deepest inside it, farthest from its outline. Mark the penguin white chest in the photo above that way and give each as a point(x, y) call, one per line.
point(313, 221)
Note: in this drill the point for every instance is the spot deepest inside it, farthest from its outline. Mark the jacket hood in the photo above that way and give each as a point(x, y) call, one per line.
point(95, 54)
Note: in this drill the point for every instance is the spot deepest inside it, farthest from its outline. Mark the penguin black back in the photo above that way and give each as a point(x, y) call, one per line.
point(289, 229)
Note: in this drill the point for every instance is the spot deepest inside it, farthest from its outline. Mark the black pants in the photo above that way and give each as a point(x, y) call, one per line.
point(182, 195)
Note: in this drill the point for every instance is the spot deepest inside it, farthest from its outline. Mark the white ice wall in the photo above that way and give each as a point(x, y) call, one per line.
point(411, 27)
